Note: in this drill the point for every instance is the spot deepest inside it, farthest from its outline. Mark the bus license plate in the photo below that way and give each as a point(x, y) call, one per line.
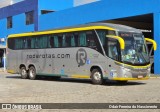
point(140, 77)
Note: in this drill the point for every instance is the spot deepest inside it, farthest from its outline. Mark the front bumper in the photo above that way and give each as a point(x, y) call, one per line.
point(128, 72)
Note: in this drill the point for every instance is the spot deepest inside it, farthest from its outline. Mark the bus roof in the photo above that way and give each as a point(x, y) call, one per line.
point(118, 27)
point(108, 26)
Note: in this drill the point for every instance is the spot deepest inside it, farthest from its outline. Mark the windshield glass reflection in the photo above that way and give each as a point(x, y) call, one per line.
point(135, 51)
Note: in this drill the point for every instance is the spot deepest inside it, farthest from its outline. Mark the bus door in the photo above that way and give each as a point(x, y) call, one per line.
point(113, 54)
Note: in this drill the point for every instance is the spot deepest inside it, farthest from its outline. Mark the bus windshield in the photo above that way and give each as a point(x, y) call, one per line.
point(135, 51)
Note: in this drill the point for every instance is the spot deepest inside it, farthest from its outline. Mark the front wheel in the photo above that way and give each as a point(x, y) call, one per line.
point(32, 73)
point(96, 77)
point(23, 72)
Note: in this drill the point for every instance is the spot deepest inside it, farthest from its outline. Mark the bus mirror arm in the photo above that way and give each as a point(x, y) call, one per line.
point(120, 39)
point(153, 42)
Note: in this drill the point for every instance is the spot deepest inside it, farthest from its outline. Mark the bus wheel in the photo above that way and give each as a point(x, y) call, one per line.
point(32, 73)
point(96, 77)
point(23, 72)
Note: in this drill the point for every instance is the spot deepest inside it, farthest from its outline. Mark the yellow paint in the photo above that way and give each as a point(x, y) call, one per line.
point(134, 66)
point(81, 76)
point(60, 31)
point(11, 71)
point(153, 42)
point(126, 79)
point(120, 39)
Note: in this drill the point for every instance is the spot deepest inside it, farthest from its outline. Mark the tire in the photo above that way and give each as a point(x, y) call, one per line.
point(23, 73)
point(96, 77)
point(32, 73)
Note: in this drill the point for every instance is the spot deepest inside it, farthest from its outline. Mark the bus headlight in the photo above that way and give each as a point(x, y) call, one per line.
point(125, 72)
point(126, 69)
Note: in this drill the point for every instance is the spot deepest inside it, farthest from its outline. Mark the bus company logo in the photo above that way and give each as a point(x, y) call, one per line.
point(81, 57)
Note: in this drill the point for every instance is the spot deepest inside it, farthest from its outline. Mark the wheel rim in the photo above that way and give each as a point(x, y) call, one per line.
point(31, 73)
point(97, 76)
point(23, 72)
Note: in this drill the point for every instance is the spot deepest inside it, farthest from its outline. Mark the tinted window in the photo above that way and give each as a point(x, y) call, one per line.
point(51, 41)
point(11, 43)
point(75, 39)
point(29, 17)
point(82, 39)
point(9, 22)
point(113, 49)
point(19, 43)
point(107, 44)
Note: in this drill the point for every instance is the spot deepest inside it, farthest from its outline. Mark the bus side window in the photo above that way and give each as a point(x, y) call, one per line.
point(25, 44)
point(19, 43)
point(60, 38)
point(56, 43)
point(82, 39)
point(44, 41)
point(73, 41)
point(64, 40)
point(91, 43)
point(29, 43)
point(33, 40)
point(36, 43)
point(68, 40)
point(113, 49)
point(102, 35)
point(51, 41)
point(11, 43)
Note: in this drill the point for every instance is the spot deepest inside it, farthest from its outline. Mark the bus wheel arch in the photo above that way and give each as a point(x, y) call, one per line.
point(96, 75)
point(32, 72)
point(23, 71)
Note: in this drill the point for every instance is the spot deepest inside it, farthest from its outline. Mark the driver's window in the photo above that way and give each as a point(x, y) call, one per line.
point(113, 49)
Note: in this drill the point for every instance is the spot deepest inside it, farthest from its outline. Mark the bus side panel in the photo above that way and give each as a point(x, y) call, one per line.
point(77, 62)
point(71, 62)
point(44, 62)
point(36, 58)
point(65, 62)
point(113, 69)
